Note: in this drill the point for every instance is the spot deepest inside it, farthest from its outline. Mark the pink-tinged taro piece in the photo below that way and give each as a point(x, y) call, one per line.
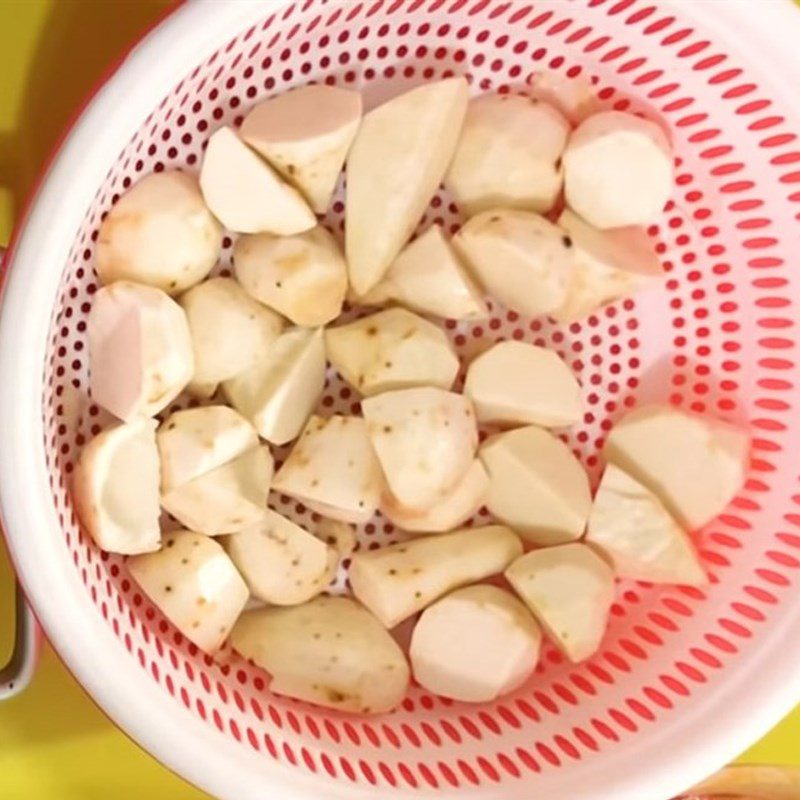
point(306, 134)
point(573, 97)
point(140, 350)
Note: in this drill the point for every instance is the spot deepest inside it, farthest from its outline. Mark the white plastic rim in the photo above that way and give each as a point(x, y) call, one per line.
point(755, 694)
point(17, 673)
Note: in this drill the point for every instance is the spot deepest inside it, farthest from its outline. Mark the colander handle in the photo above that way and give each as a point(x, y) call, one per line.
point(16, 675)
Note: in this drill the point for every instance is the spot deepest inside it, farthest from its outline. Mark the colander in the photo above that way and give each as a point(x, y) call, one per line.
point(685, 678)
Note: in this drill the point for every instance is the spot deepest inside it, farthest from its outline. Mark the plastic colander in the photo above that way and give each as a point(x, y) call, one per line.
point(685, 678)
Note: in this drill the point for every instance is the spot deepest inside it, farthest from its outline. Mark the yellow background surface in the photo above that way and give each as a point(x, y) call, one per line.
point(54, 743)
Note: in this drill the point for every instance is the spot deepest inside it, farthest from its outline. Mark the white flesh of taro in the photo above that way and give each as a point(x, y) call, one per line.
point(428, 277)
point(515, 383)
point(395, 582)
point(278, 393)
point(389, 350)
point(195, 585)
point(456, 507)
point(475, 645)
point(398, 159)
point(303, 277)
point(536, 485)
point(229, 329)
point(245, 194)
point(226, 499)
point(282, 563)
point(425, 440)
point(520, 258)
point(618, 170)
point(329, 651)
point(115, 488)
point(197, 440)
point(569, 589)
point(509, 155)
point(164, 207)
point(609, 264)
point(694, 464)
point(333, 469)
point(632, 527)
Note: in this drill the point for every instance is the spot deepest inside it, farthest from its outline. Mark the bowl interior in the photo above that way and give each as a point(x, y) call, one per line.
point(717, 337)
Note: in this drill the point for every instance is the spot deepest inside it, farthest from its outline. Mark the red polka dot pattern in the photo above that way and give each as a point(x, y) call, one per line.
point(719, 337)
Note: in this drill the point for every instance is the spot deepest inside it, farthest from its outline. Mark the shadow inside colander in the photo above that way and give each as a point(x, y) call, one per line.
point(78, 41)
